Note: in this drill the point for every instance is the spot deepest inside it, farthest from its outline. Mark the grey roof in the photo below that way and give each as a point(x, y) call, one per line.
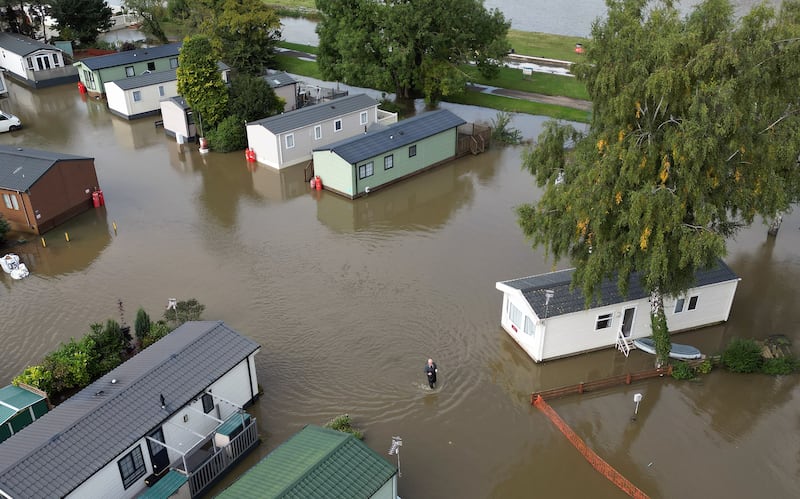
point(23, 45)
point(178, 101)
point(279, 79)
point(222, 66)
point(131, 56)
point(20, 168)
point(317, 113)
point(400, 134)
point(145, 80)
point(59, 451)
point(566, 301)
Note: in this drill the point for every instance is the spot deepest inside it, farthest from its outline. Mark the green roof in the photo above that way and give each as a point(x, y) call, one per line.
point(315, 463)
point(166, 486)
point(14, 399)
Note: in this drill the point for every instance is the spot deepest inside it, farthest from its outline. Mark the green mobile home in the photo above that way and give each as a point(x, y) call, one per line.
point(95, 72)
point(19, 408)
point(361, 164)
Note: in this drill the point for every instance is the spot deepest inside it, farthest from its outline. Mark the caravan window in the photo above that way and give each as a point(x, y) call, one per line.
point(529, 327)
point(131, 467)
point(603, 322)
point(514, 314)
point(679, 305)
point(692, 303)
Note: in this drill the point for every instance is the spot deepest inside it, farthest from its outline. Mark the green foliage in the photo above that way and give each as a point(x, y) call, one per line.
point(69, 366)
point(189, 310)
point(157, 331)
point(36, 376)
point(704, 367)
point(141, 325)
point(342, 423)
point(229, 135)
point(251, 98)
point(108, 345)
point(414, 48)
point(780, 366)
point(245, 34)
point(742, 356)
point(152, 12)
point(683, 150)
point(682, 370)
point(658, 326)
point(82, 19)
point(502, 131)
point(199, 81)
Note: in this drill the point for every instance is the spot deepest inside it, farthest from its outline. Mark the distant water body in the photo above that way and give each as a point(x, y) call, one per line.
point(572, 18)
point(575, 17)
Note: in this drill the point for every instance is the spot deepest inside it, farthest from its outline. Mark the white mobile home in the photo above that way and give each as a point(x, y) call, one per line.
point(34, 63)
point(284, 87)
point(548, 320)
point(287, 139)
point(178, 119)
point(155, 418)
point(141, 95)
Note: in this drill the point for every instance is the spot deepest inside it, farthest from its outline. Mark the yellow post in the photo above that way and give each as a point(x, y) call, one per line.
point(114, 224)
point(44, 243)
point(66, 236)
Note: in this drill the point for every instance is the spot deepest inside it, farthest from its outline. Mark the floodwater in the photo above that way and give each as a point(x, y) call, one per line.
point(570, 18)
point(349, 298)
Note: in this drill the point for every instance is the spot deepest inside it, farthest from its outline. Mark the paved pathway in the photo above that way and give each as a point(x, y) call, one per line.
point(556, 100)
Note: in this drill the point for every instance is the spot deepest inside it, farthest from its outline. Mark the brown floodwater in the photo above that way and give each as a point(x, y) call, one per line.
point(349, 298)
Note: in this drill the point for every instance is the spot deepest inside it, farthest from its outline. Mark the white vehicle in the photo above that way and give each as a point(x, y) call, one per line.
point(9, 122)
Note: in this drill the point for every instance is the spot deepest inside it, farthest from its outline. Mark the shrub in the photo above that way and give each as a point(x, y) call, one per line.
point(776, 367)
point(704, 367)
point(157, 331)
point(37, 377)
point(189, 310)
point(142, 324)
point(69, 366)
point(682, 370)
point(742, 356)
point(342, 423)
point(229, 135)
point(109, 344)
point(502, 131)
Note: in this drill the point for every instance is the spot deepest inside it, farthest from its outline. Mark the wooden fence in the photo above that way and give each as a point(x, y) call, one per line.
point(600, 384)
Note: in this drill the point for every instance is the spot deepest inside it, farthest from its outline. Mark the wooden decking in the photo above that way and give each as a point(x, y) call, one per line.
point(473, 138)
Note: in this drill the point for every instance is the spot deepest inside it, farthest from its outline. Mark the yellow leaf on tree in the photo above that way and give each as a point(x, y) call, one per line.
point(638, 109)
point(601, 144)
point(643, 163)
point(620, 135)
point(618, 197)
point(644, 238)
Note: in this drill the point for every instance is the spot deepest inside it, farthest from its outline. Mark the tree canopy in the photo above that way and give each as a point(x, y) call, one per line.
point(245, 33)
point(199, 81)
point(694, 134)
point(414, 47)
point(81, 19)
point(152, 12)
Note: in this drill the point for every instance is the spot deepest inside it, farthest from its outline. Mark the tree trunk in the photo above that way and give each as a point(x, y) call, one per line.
point(658, 326)
point(775, 225)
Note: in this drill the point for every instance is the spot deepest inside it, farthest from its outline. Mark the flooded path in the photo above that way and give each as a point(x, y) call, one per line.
point(349, 298)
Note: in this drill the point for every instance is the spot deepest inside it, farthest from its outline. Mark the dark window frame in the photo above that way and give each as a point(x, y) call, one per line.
point(151, 65)
point(603, 321)
point(679, 305)
point(362, 170)
point(692, 303)
point(412, 151)
point(134, 461)
point(388, 162)
point(129, 71)
point(208, 403)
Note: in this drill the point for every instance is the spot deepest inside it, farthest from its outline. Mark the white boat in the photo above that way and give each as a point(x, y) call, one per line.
point(11, 265)
point(677, 351)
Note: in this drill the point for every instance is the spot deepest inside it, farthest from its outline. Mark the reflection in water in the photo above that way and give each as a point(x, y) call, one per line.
point(279, 185)
point(136, 134)
point(89, 234)
point(424, 201)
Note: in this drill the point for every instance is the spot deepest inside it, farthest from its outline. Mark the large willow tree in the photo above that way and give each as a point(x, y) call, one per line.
point(695, 133)
point(414, 47)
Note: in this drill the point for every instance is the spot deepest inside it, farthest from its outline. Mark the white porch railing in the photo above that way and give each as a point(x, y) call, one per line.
point(623, 344)
point(222, 459)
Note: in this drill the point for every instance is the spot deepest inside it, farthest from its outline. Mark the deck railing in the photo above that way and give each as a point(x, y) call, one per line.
point(223, 458)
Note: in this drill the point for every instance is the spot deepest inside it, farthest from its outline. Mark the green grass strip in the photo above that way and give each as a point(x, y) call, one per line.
point(519, 106)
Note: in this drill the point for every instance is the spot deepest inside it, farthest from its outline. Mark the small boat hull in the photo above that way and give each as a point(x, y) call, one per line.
point(677, 351)
point(9, 262)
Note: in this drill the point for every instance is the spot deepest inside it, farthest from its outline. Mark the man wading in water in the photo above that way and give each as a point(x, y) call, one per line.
point(431, 370)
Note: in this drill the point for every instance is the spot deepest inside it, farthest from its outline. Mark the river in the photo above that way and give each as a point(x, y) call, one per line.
point(572, 18)
point(349, 298)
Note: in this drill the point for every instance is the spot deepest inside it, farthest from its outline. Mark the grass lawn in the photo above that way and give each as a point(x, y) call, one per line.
point(545, 45)
point(296, 66)
point(540, 83)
